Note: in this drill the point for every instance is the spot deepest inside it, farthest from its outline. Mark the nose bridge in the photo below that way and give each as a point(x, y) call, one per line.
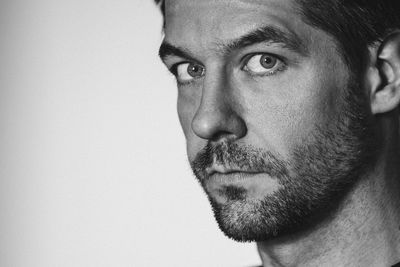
point(215, 93)
point(216, 115)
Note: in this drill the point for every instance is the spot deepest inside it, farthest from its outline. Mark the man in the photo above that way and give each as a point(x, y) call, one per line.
point(290, 109)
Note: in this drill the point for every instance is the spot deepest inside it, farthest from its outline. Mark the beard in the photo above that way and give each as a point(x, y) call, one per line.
point(322, 169)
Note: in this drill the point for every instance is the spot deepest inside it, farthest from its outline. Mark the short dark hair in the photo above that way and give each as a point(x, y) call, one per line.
point(355, 24)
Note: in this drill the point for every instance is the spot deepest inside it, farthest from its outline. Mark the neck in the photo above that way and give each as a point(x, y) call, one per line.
point(365, 231)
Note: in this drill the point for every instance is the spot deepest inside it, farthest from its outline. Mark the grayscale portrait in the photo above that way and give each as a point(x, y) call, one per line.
point(290, 111)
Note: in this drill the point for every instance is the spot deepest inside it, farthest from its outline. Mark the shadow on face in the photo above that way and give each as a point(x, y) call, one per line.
point(265, 102)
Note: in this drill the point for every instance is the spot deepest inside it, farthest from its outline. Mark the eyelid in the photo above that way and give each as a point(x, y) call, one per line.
point(182, 60)
point(245, 59)
point(174, 70)
point(281, 65)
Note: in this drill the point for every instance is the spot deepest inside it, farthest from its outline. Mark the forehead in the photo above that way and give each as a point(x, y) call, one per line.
point(205, 22)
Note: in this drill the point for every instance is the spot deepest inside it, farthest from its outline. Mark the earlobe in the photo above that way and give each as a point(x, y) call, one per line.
point(386, 96)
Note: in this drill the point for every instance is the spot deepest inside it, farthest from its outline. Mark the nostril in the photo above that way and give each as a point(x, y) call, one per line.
point(221, 135)
point(216, 125)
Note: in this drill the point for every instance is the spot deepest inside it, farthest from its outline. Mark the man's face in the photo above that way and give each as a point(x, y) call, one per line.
point(268, 109)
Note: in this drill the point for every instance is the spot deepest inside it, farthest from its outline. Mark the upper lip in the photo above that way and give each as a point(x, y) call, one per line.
point(227, 170)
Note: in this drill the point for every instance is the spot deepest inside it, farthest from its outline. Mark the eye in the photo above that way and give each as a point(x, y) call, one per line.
point(263, 65)
point(186, 72)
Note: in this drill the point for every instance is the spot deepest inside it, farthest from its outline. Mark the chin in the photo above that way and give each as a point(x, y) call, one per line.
point(249, 220)
point(301, 203)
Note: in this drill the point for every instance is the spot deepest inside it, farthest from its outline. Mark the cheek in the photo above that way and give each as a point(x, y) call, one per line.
point(285, 114)
point(187, 104)
point(185, 116)
point(187, 107)
point(317, 107)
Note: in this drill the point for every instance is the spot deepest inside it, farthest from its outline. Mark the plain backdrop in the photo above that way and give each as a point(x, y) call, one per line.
point(93, 166)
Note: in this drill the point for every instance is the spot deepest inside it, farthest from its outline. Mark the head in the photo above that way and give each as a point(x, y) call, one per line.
point(279, 101)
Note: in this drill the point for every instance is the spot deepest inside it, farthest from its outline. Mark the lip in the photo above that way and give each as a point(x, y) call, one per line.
point(230, 176)
point(218, 169)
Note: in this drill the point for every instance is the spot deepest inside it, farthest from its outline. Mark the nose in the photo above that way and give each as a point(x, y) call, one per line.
point(217, 115)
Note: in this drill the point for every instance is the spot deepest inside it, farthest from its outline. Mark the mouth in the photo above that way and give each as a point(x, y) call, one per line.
point(255, 184)
point(224, 170)
point(226, 175)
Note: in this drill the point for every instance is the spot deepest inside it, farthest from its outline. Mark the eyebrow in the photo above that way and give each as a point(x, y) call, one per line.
point(264, 34)
point(268, 34)
point(167, 49)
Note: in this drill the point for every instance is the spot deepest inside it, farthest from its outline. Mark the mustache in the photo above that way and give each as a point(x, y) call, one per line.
point(244, 158)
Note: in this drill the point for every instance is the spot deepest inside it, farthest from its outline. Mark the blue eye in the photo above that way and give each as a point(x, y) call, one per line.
point(263, 65)
point(185, 72)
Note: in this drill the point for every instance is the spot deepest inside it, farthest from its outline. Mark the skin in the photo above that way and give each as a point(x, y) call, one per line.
point(278, 112)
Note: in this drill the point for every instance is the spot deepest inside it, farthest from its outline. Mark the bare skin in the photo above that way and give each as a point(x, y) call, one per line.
point(228, 97)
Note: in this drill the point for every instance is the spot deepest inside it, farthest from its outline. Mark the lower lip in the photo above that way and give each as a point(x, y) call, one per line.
point(236, 177)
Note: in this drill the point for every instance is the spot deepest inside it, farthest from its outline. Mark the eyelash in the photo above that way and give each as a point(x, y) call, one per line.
point(245, 60)
point(185, 83)
point(174, 70)
point(280, 69)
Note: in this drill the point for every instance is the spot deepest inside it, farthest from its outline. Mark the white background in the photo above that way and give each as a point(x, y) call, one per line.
point(93, 167)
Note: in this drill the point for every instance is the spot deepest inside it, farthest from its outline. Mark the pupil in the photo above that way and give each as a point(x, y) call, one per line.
point(268, 61)
point(195, 70)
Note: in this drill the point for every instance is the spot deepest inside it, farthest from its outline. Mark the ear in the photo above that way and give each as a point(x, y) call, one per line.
point(385, 92)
